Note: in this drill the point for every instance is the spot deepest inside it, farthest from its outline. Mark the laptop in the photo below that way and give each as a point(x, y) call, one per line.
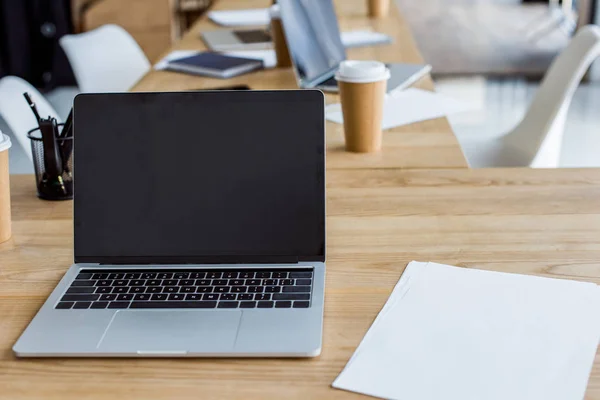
point(241, 39)
point(316, 48)
point(199, 228)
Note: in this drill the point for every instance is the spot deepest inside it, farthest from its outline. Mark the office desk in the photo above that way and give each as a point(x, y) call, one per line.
point(430, 144)
point(542, 222)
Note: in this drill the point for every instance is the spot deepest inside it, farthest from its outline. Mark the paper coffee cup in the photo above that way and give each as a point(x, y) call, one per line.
point(378, 8)
point(278, 35)
point(362, 90)
point(5, 219)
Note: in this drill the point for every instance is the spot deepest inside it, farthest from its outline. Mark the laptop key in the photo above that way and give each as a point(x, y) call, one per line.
point(238, 289)
point(118, 304)
point(187, 289)
point(255, 289)
point(186, 282)
point(125, 297)
point(228, 296)
point(164, 275)
point(273, 289)
point(203, 282)
point(247, 304)
point(253, 282)
point(136, 289)
point(173, 304)
point(299, 274)
point(214, 275)
point(181, 275)
point(219, 282)
point(108, 297)
point(148, 275)
point(230, 275)
point(116, 276)
point(142, 296)
point(137, 282)
point(261, 296)
point(204, 289)
point(82, 305)
point(104, 282)
point(291, 296)
point(197, 275)
point(99, 276)
point(301, 304)
point(64, 305)
point(99, 304)
point(83, 283)
point(270, 282)
point(193, 297)
point(169, 282)
point(132, 276)
point(159, 296)
point(228, 304)
point(170, 289)
point(287, 282)
point(303, 282)
point(210, 296)
point(103, 289)
point(283, 304)
point(153, 282)
point(176, 296)
point(236, 282)
point(280, 275)
point(120, 282)
point(263, 275)
point(245, 296)
point(296, 289)
point(82, 289)
point(222, 289)
point(265, 304)
point(246, 275)
point(119, 289)
point(80, 297)
point(83, 275)
point(153, 289)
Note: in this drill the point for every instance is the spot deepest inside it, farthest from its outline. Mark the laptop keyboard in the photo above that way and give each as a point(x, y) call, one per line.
point(189, 289)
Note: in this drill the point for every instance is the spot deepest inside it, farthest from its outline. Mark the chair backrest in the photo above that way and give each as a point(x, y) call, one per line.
point(16, 112)
point(106, 59)
point(540, 133)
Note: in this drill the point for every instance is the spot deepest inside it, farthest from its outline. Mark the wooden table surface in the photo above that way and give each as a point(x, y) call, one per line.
point(429, 144)
point(380, 217)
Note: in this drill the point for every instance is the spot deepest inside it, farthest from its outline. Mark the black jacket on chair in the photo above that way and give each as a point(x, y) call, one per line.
point(29, 48)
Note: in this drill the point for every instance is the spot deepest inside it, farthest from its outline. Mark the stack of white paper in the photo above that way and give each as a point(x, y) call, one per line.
point(255, 16)
point(408, 106)
point(457, 333)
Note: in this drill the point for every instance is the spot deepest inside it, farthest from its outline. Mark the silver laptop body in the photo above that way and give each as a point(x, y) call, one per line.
point(316, 48)
point(200, 286)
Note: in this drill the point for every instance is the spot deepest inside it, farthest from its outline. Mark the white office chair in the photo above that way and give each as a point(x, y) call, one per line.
point(16, 112)
point(106, 59)
point(537, 140)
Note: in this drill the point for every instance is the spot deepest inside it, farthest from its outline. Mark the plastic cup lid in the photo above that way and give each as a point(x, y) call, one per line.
point(362, 71)
point(4, 142)
point(275, 11)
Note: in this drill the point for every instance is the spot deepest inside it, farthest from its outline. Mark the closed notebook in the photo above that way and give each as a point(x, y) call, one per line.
point(214, 65)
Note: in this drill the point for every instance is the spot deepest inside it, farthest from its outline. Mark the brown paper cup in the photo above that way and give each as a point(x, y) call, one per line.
point(378, 8)
point(5, 221)
point(362, 107)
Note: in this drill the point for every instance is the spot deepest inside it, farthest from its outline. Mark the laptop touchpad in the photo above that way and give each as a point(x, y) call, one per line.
point(171, 331)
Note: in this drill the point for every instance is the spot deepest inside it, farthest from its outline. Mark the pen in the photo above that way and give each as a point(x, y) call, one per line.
point(32, 106)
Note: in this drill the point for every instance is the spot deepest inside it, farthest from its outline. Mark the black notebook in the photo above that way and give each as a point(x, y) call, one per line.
point(215, 65)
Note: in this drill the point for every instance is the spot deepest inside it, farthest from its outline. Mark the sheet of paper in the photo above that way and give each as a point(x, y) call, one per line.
point(409, 106)
point(361, 38)
point(268, 57)
point(174, 55)
point(254, 16)
point(458, 333)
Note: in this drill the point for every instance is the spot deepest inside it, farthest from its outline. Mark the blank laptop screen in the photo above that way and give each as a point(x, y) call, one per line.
point(199, 176)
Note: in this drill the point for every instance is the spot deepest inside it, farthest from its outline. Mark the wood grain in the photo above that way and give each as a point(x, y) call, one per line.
point(429, 144)
point(539, 222)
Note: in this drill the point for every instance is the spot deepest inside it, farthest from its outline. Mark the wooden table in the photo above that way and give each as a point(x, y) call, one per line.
point(542, 222)
point(430, 144)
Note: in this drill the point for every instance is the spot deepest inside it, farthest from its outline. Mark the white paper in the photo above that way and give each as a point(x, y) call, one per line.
point(255, 16)
point(364, 38)
point(174, 55)
point(268, 57)
point(457, 333)
point(409, 106)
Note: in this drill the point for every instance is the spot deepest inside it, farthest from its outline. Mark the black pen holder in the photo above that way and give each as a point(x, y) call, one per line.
point(52, 188)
